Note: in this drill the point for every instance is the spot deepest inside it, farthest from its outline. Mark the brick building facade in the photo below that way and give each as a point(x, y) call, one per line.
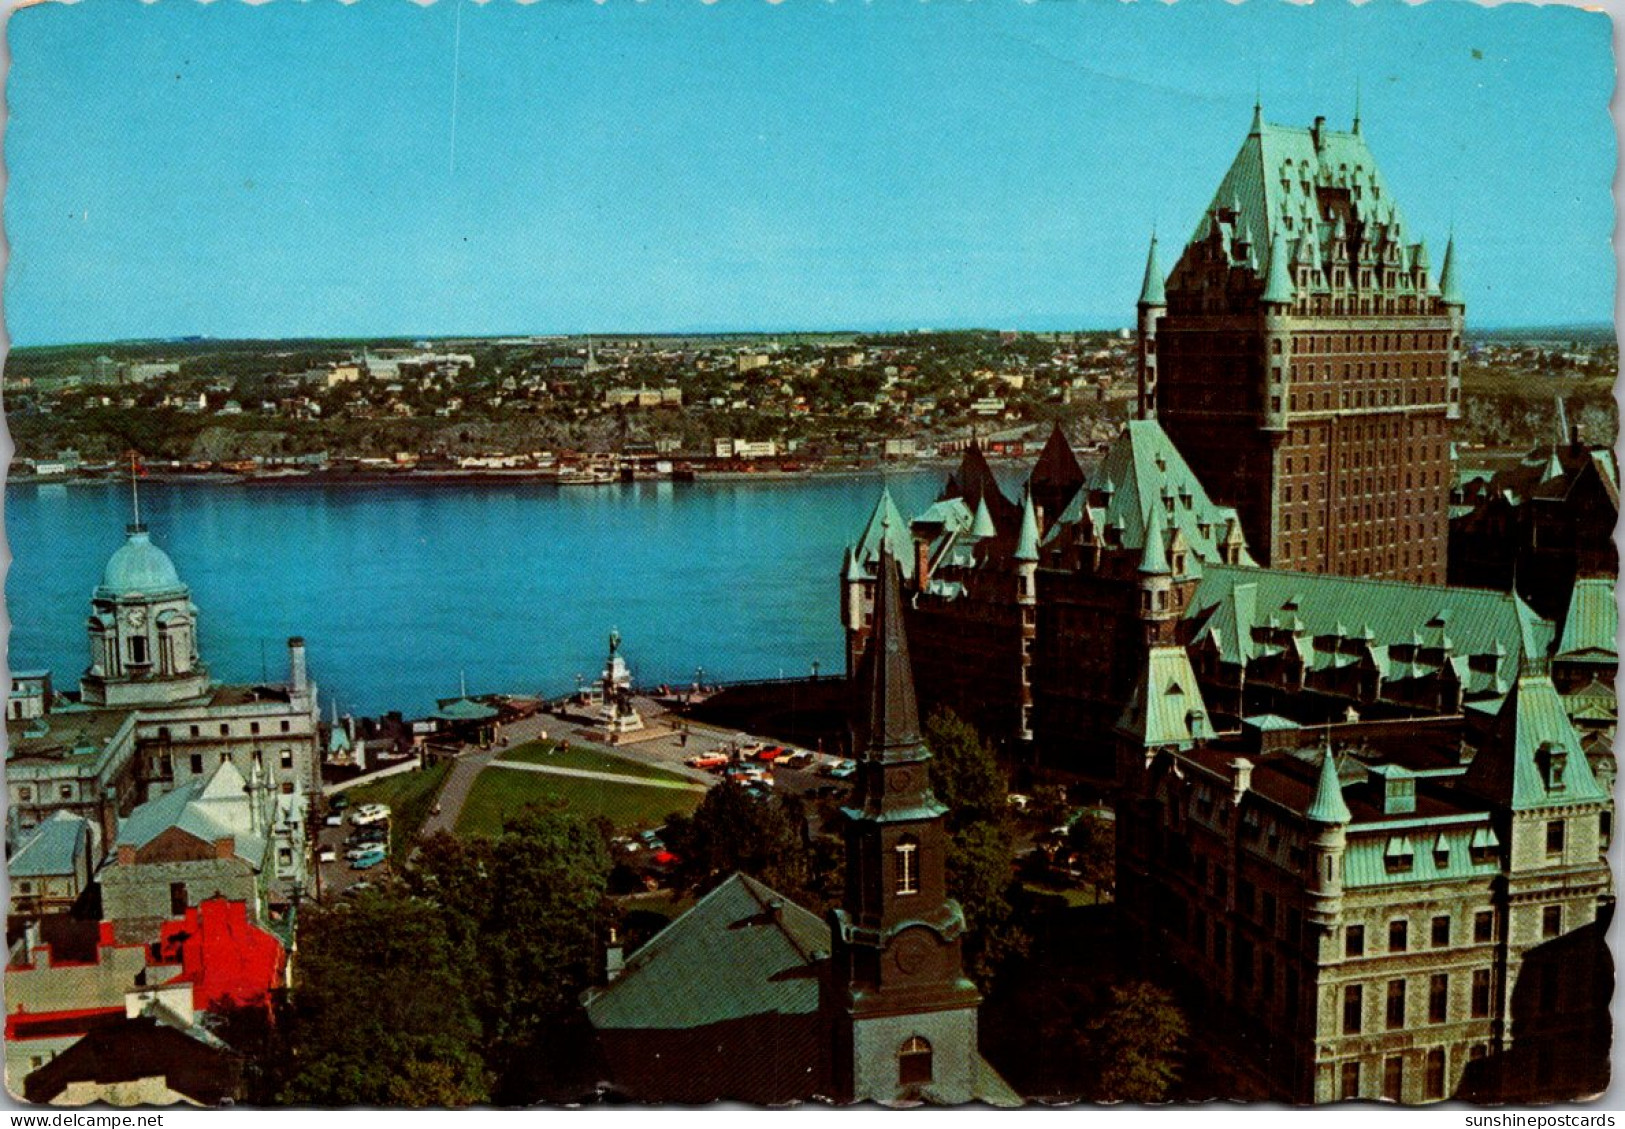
point(1306, 360)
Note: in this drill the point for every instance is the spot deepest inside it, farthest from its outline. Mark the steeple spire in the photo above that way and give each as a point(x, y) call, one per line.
point(1356, 105)
point(1152, 292)
point(1027, 540)
point(893, 713)
point(1257, 129)
point(1278, 281)
point(135, 494)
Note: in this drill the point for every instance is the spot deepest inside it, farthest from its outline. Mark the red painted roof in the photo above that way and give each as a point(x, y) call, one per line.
point(228, 960)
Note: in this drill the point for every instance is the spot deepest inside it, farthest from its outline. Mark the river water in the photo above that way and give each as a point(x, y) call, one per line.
point(399, 588)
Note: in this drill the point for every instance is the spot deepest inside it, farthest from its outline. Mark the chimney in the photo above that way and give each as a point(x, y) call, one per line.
point(922, 563)
point(1319, 132)
point(126, 854)
point(224, 847)
point(1243, 778)
point(298, 674)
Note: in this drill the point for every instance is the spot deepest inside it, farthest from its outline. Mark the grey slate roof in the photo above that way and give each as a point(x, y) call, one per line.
point(55, 848)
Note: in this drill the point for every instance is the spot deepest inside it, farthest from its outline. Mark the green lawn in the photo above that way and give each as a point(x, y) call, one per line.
point(499, 793)
point(595, 760)
point(409, 796)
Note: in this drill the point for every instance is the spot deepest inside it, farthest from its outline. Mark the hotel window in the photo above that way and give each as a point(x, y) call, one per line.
point(25, 794)
point(195, 731)
point(1396, 1004)
point(65, 791)
point(1354, 941)
point(1353, 1004)
point(1435, 1075)
point(138, 649)
point(1481, 993)
point(1554, 839)
point(195, 762)
point(1351, 1081)
point(914, 1062)
point(177, 899)
point(285, 727)
point(225, 731)
point(1441, 932)
point(1393, 1078)
point(1398, 935)
point(254, 727)
point(1439, 997)
point(908, 864)
point(287, 758)
point(1551, 922)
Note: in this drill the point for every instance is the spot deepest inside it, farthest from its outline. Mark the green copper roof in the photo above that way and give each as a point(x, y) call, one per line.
point(1441, 855)
point(1403, 630)
point(1591, 627)
point(1278, 283)
point(983, 525)
point(1449, 284)
point(465, 709)
point(1274, 186)
point(1515, 766)
point(139, 567)
point(1154, 557)
point(1166, 707)
point(1151, 290)
point(1329, 806)
point(1143, 472)
point(885, 523)
point(1027, 539)
point(742, 952)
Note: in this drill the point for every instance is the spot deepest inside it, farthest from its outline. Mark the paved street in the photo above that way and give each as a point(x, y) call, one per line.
point(588, 774)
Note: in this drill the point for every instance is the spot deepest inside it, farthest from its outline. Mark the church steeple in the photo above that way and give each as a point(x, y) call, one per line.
point(904, 1013)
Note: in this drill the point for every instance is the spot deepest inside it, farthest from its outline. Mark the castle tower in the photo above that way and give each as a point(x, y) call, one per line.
point(903, 1013)
point(1301, 358)
point(1025, 557)
point(142, 631)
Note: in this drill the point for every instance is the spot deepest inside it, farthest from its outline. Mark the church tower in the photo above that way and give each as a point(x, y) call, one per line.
point(1305, 359)
point(902, 1010)
point(143, 631)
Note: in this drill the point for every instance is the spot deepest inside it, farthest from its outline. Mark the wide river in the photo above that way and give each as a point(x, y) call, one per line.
point(399, 589)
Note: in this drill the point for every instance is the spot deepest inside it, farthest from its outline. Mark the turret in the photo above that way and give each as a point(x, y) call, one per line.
point(1152, 305)
point(1450, 297)
point(1328, 815)
point(298, 672)
point(1156, 581)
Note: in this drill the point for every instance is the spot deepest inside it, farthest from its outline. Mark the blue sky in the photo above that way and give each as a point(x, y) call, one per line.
point(298, 169)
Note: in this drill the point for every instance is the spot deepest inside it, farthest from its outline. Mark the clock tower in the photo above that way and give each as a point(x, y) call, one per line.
point(903, 1012)
point(143, 631)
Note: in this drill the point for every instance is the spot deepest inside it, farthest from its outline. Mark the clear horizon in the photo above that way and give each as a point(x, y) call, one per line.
point(277, 172)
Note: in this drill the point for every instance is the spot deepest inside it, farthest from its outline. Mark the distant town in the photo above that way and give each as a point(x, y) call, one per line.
point(599, 409)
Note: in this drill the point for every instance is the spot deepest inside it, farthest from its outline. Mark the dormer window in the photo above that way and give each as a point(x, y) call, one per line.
point(1554, 764)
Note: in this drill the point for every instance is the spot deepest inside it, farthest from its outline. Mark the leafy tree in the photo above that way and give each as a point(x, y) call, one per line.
point(735, 830)
point(1137, 1043)
point(1094, 840)
point(965, 774)
point(381, 1013)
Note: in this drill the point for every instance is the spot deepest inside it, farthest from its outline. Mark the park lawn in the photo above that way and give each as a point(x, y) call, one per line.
point(409, 796)
point(595, 760)
point(499, 793)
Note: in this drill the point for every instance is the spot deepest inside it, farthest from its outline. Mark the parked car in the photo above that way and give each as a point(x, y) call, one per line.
point(707, 760)
point(338, 802)
point(843, 770)
point(355, 852)
point(368, 859)
point(801, 758)
point(651, 840)
point(357, 889)
point(369, 813)
point(335, 820)
point(328, 854)
point(771, 753)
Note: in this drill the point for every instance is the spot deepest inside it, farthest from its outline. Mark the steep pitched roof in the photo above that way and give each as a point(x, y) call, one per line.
point(886, 676)
point(975, 482)
point(1152, 292)
point(742, 950)
point(1057, 475)
point(1272, 193)
point(55, 847)
point(1449, 283)
point(134, 1049)
point(1027, 538)
point(1328, 806)
point(1142, 473)
point(1166, 707)
point(1591, 627)
point(1512, 767)
point(209, 809)
point(1406, 630)
point(885, 525)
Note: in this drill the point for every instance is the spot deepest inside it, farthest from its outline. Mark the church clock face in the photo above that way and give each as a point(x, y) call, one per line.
point(136, 617)
point(913, 952)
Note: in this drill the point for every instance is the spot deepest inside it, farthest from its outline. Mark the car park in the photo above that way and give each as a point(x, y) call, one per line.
point(368, 859)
